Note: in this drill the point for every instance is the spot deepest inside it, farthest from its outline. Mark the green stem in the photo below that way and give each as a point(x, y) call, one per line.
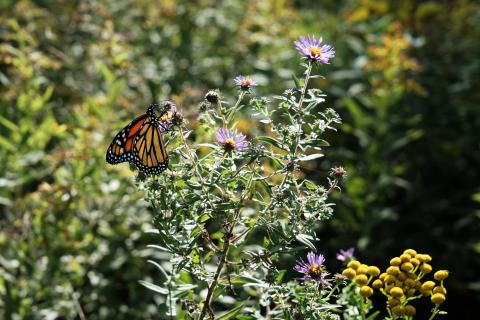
point(211, 288)
point(234, 108)
point(170, 294)
point(434, 313)
point(190, 156)
point(300, 103)
point(362, 308)
point(331, 292)
point(223, 257)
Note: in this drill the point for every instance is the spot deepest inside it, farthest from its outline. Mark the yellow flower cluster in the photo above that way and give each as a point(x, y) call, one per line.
point(401, 282)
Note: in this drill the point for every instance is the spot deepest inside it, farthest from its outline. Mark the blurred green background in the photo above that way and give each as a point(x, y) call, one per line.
point(405, 81)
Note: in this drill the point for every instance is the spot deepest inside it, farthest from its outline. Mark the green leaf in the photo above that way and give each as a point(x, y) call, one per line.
point(245, 280)
point(315, 143)
point(203, 218)
point(245, 317)
point(4, 142)
point(209, 145)
point(183, 289)
point(271, 141)
point(159, 267)
point(182, 264)
point(279, 277)
point(310, 185)
point(153, 287)
point(373, 315)
point(311, 157)
point(230, 314)
point(106, 73)
point(298, 85)
point(277, 163)
point(306, 240)
point(195, 255)
point(266, 187)
point(8, 124)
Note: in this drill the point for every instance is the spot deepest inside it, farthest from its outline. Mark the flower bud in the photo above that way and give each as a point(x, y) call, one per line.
point(405, 257)
point(393, 302)
point(393, 271)
point(354, 264)
point(415, 261)
point(349, 273)
point(390, 279)
point(426, 268)
point(410, 310)
point(438, 298)
point(407, 266)
point(361, 279)
point(441, 275)
point(373, 271)
point(396, 292)
point(402, 276)
point(428, 285)
point(398, 310)
point(411, 252)
point(366, 291)
point(377, 284)
point(441, 290)
point(363, 269)
point(212, 96)
point(395, 261)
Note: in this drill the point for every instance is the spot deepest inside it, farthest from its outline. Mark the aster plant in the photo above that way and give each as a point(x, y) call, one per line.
point(235, 202)
point(221, 192)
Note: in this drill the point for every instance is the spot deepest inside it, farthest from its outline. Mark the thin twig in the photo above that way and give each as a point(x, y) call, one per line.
point(223, 257)
point(78, 306)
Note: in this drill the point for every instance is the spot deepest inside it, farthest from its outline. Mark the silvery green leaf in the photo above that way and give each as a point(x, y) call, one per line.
point(230, 314)
point(153, 287)
point(306, 240)
point(159, 267)
point(298, 85)
point(271, 141)
point(209, 145)
point(311, 157)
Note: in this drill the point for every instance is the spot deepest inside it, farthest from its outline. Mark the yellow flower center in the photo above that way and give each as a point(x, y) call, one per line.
point(315, 51)
point(315, 270)
point(229, 144)
point(246, 82)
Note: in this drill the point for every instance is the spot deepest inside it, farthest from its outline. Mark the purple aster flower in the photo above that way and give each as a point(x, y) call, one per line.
point(245, 83)
point(231, 140)
point(312, 49)
point(314, 269)
point(345, 255)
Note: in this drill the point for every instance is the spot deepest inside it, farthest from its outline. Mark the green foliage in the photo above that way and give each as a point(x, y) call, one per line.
point(210, 204)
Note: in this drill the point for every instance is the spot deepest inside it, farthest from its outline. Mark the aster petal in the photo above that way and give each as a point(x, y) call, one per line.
point(311, 258)
point(221, 135)
point(301, 266)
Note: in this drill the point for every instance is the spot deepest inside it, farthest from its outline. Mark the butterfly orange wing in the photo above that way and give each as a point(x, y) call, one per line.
point(150, 155)
point(120, 150)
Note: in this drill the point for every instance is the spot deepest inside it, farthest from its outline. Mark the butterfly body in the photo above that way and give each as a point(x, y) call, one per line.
point(141, 143)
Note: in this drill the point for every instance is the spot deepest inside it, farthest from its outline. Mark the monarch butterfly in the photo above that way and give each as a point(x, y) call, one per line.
point(141, 142)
